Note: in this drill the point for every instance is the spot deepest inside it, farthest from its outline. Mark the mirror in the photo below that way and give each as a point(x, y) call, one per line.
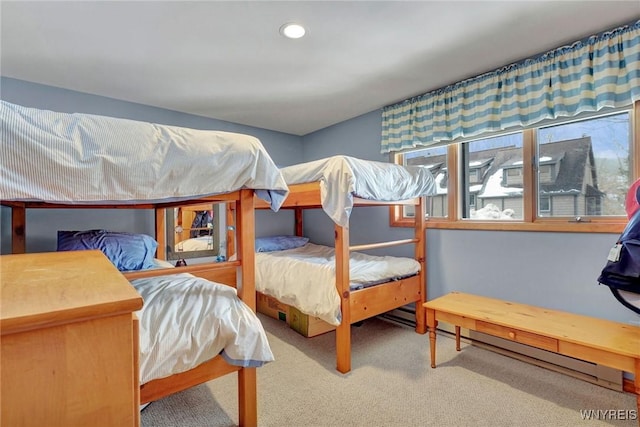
point(196, 231)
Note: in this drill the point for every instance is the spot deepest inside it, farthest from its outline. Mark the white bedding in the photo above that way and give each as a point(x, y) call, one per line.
point(187, 320)
point(343, 177)
point(89, 159)
point(201, 243)
point(305, 277)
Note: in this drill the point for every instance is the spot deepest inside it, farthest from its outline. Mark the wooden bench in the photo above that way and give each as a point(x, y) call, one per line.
point(612, 344)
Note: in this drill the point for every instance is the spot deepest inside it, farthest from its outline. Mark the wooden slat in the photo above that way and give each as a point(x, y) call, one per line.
point(221, 272)
point(382, 244)
point(231, 196)
point(307, 195)
point(375, 300)
point(198, 207)
point(156, 389)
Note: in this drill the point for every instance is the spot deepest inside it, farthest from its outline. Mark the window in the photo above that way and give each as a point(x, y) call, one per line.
point(435, 159)
point(473, 175)
point(563, 176)
point(544, 205)
point(499, 194)
point(545, 172)
point(593, 159)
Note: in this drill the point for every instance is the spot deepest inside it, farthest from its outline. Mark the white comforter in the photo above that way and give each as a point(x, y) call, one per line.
point(305, 277)
point(200, 243)
point(88, 159)
point(187, 320)
point(343, 177)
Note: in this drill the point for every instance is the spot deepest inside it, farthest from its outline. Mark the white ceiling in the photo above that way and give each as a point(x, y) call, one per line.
point(226, 59)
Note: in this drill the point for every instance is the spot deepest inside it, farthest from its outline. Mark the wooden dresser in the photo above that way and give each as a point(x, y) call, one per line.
point(69, 345)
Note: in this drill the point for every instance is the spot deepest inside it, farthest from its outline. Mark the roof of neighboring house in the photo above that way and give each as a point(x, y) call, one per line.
point(571, 155)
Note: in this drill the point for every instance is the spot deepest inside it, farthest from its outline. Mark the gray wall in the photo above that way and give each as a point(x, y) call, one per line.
point(553, 270)
point(42, 224)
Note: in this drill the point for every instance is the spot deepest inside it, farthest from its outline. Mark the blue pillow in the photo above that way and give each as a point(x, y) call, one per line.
point(279, 243)
point(127, 251)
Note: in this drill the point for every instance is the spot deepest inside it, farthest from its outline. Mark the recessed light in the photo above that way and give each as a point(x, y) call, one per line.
point(292, 30)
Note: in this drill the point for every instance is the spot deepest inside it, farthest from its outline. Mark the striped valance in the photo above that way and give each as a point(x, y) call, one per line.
point(602, 71)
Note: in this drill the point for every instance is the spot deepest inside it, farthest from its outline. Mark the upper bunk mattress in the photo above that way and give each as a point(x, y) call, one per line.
point(342, 178)
point(88, 159)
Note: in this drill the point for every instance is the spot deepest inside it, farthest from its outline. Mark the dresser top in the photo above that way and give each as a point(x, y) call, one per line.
point(48, 289)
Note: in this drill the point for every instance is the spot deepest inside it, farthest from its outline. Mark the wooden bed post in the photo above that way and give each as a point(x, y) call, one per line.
point(245, 232)
point(230, 226)
point(420, 255)
point(299, 223)
point(18, 229)
point(161, 235)
point(343, 331)
point(247, 397)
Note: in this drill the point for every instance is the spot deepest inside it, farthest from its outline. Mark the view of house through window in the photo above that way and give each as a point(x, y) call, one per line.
point(581, 169)
point(584, 167)
point(435, 159)
point(492, 178)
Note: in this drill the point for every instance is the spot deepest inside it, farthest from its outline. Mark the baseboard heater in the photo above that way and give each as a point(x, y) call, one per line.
point(587, 371)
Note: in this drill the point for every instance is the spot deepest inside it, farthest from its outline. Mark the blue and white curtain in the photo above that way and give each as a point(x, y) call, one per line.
point(603, 71)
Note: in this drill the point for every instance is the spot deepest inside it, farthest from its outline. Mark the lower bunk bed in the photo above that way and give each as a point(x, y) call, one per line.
point(324, 276)
point(197, 322)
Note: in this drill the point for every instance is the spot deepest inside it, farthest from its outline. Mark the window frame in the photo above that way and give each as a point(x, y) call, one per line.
point(530, 221)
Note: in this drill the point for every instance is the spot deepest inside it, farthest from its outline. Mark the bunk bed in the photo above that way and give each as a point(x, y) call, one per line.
point(60, 160)
point(336, 185)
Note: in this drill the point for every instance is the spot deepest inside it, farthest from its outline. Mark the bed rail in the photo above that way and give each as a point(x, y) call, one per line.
point(223, 272)
point(383, 244)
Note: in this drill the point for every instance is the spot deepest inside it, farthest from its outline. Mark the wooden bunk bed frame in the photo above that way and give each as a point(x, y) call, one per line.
point(239, 273)
point(365, 303)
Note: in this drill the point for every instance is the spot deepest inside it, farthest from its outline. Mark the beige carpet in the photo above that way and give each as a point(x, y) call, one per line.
point(391, 384)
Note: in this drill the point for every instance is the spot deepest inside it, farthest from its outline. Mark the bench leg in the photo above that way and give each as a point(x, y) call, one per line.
point(457, 338)
point(432, 342)
point(431, 325)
